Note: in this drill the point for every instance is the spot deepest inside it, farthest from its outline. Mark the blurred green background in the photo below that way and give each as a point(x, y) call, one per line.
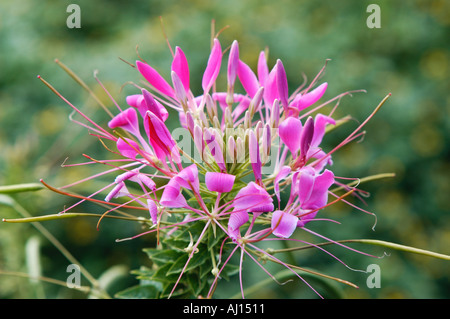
point(408, 56)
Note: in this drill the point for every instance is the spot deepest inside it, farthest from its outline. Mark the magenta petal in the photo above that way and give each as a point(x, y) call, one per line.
point(159, 135)
point(306, 136)
point(271, 87)
point(219, 182)
point(320, 123)
point(128, 148)
point(285, 170)
point(180, 92)
point(290, 133)
point(303, 101)
point(236, 220)
point(213, 66)
point(263, 69)
point(305, 185)
point(181, 68)
point(127, 120)
point(188, 178)
point(134, 100)
point(150, 104)
point(233, 63)
point(313, 188)
point(248, 79)
point(171, 196)
point(153, 210)
point(253, 198)
point(147, 181)
point(283, 224)
point(282, 84)
point(118, 191)
point(319, 196)
point(155, 79)
point(125, 176)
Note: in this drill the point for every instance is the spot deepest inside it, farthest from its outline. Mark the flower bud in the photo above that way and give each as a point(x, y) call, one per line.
point(231, 150)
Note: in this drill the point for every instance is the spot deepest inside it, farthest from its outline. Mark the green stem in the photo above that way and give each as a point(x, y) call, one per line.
point(84, 289)
point(365, 179)
point(376, 243)
point(66, 215)
point(22, 211)
point(17, 188)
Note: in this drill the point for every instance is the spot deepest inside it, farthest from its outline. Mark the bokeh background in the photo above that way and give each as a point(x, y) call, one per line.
point(408, 57)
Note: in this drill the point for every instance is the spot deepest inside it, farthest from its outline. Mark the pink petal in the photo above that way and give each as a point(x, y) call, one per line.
point(129, 148)
point(219, 182)
point(171, 196)
point(236, 220)
point(285, 170)
point(178, 87)
point(282, 84)
point(153, 210)
point(263, 69)
point(155, 79)
point(320, 123)
point(125, 176)
point(283, 224)
point(147, 181)
point(248, 79)
point(150, 104)
point(313, 188)
point(181, 68)
point(319, 196)
point(303, 101)
point(253, 198)
point(118, 191)
point(127, 120)
point(233, 63)
point(213, 66)
point(305, 185)
point(306, 136)
point(134, 100)
point(271, 87)
point(159, 135)
point(188, 178)
point(290, 131)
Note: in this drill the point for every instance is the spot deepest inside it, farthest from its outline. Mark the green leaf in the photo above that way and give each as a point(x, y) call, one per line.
point(162, 256)
point(139, 292)
point(161, 274)
point(196, 260)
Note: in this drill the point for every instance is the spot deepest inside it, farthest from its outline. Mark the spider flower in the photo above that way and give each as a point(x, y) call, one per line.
point(250, 146)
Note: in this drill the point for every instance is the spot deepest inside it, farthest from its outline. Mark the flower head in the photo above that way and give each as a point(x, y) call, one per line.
point(250, 148)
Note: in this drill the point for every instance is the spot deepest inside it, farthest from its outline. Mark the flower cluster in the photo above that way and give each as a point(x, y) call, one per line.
point(247, 166)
